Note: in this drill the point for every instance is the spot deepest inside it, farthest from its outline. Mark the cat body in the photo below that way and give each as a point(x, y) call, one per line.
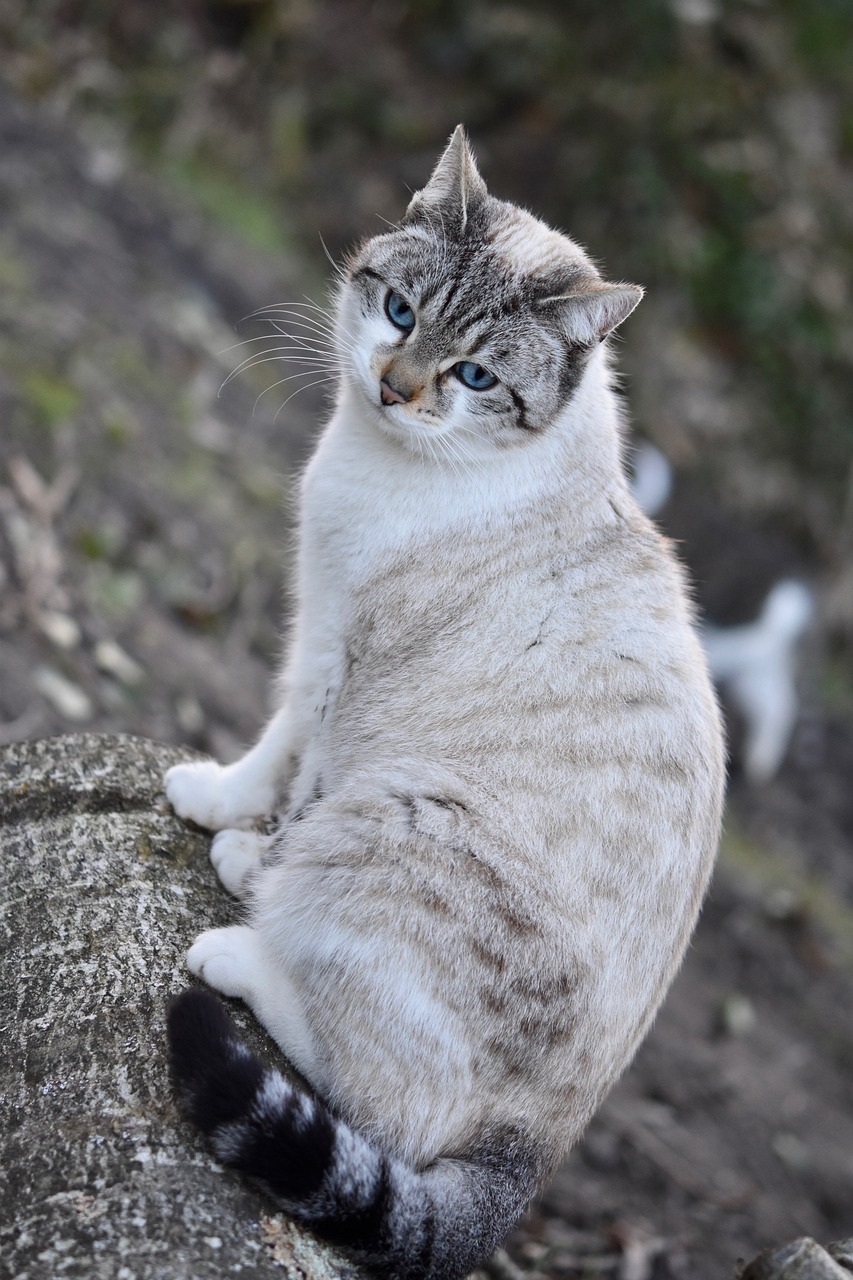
point(499, 753)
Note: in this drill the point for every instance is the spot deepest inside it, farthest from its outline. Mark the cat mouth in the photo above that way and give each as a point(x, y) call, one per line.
point(400, 421)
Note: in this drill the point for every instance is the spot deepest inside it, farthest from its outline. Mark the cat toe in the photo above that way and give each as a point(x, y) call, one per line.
point(223, 958)
point(234, 854)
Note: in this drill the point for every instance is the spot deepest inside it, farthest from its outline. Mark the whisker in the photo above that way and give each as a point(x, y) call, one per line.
point(300, 373)
point(474, 462)
point(336, 267)
point(303, 373)
point(427, 447)
point(332, 319)
point(275, 313)
point(326, 324)
point(331, 342)
point(323, 345)
point(266, 357)
point(321, 311)
point(456, 460)
point(315, 306)
point(304, 387)
point(326, 353)
point(264, 337)
point(466, 452)
point(305, 322)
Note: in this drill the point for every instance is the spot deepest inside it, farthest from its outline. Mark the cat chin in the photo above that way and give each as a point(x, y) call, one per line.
point(411, 435)
point(426, 442)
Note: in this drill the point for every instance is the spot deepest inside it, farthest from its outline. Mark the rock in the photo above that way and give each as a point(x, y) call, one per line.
point(102, 891)
point(801, 1259)
point(842, 1252)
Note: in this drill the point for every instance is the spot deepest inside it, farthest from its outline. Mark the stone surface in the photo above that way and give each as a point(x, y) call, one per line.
point(101, 891)
point(801, 1259)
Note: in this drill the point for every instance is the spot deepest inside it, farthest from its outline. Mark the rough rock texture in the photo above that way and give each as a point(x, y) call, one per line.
point(802, 1259)
point(102, 891)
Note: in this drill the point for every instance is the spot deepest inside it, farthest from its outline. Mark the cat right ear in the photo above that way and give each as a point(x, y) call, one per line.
point(454, 190)
point(589, 315)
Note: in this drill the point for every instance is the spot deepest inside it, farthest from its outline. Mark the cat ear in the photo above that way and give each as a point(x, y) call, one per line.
point(596, 310)
point(455, 188)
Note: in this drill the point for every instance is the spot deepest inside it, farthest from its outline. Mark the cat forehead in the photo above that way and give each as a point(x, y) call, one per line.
point(533, 249)
point(503, 242)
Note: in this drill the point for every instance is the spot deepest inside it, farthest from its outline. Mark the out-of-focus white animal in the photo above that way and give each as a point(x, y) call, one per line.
point(754, 664)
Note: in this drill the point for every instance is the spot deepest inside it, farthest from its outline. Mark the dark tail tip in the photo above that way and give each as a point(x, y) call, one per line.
point(283, 1137)
point(214, 1073)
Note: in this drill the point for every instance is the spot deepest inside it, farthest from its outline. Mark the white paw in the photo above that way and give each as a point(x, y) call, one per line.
point(234, 854)
point(192, 790)
point(217, 797)
point(225, 958)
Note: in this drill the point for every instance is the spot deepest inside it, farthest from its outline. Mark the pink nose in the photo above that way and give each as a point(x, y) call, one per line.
point(389, 395)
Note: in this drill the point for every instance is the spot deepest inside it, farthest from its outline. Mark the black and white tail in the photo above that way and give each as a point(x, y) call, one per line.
point(437, 1224)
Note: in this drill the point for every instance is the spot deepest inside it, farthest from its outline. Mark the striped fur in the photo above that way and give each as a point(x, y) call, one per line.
point(495, 744)
point(430, 1225)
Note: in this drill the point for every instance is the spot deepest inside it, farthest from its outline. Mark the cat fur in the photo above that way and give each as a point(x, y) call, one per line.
point(497, 747)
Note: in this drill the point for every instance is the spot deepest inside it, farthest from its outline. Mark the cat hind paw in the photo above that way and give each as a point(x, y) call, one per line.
point(234, 854)
point(226, 959)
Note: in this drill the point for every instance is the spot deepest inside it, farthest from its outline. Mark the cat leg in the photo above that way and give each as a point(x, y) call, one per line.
point(233, 961)
point(235, 795)
point(235, 854)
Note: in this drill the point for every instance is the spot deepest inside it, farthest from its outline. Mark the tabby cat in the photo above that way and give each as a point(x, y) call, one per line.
point(496, 759)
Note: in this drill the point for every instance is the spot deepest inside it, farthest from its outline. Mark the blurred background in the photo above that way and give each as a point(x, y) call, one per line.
point(165, 171)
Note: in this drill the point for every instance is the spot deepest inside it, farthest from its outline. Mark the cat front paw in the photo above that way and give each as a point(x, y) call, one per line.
point(217, 796)
point(195, 791)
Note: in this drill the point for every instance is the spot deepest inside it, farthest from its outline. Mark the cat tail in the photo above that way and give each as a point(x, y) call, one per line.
point(434, 1224)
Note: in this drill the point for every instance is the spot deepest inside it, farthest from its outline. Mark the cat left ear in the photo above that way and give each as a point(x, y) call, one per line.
point(589, 315)
point(455, 188)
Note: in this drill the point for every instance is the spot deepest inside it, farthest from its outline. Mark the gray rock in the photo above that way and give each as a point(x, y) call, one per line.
point(801, 1259)
point(102, 891)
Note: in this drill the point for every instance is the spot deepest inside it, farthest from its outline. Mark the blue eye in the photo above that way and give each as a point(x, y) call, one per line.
point(474, 376)
point(399, 312)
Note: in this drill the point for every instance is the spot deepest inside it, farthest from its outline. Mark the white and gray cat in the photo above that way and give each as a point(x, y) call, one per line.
point(498, 751)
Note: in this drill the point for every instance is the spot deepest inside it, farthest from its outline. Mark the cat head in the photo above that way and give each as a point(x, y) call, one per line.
point(472, 316)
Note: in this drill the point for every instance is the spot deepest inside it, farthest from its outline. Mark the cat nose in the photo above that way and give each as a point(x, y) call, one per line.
point(390, 395)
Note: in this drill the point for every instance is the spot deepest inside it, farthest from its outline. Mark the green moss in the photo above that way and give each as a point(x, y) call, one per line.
point(229, 202)
point(133, 372)
point(823, 34)
point(118, 594)
point(262, 485)
point(194, 479)
point(92, 543)
point(118, 430)
point(838, 685)
point(765, 871)
point(14, 275)
point(53, 398)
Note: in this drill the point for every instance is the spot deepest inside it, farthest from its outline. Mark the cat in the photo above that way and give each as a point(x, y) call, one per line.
point(756, 663)
point(497, 754)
